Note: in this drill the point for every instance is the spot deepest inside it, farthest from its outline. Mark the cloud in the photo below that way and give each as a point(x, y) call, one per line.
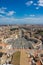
point(40, 3)
point(1, 15)
point(2, 10)
point(35, 4)
point(28, 3)
point(10, 13)
point(32, 15)
point(37, 8)
point(32, 20)
point(26, 20)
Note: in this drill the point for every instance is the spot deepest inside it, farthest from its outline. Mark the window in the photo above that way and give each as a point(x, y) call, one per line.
point(0, 47)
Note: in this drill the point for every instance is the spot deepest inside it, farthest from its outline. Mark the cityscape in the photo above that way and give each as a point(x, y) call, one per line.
point(21, 32)
point(21, 45)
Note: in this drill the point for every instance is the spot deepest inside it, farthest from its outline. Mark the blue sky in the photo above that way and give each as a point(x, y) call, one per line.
point(21, 11)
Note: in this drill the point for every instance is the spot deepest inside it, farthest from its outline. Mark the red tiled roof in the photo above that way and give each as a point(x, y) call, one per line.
point(3, 44)
point(38, 63)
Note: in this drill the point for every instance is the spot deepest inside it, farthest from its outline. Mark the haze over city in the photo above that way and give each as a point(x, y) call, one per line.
point(21, 11)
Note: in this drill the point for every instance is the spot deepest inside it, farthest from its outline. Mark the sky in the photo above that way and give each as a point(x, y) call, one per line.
point(21, 11)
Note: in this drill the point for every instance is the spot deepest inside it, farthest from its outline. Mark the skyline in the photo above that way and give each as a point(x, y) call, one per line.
point(21, 11)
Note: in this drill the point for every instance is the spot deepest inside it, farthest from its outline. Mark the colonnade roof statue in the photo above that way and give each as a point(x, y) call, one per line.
point(24, 43)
